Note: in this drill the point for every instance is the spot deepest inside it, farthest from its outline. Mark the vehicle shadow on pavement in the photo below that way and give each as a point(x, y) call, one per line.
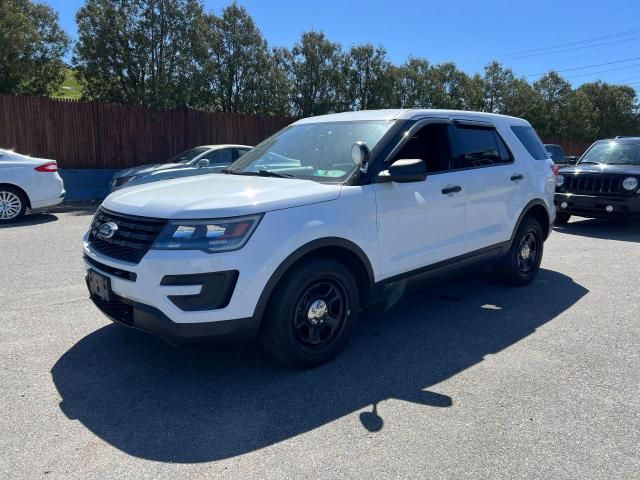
point(195, 405)
point(30, 220)
point(622, 230)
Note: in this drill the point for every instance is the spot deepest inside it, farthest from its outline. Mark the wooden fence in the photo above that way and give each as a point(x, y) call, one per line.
point(108, 135)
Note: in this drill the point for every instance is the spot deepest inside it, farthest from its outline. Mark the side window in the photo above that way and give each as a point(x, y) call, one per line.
point(530, 140)
point(237, 153)
point(479, 147)
point(430, 144)
point(219, 156)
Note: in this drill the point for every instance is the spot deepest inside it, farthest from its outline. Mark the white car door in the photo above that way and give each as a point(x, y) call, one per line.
point(422, 223)
point(494, 184)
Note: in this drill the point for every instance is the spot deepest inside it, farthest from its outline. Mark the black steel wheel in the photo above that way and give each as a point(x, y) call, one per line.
point(311, 313)
point(521, 263)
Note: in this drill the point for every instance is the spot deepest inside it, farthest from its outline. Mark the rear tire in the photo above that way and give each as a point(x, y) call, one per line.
point(562, 218)
point(312, 314)
point(13, 204)
point(522, 263)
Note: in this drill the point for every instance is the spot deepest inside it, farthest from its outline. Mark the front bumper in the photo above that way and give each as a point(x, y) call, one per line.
point(151, 320)
point(592, 206)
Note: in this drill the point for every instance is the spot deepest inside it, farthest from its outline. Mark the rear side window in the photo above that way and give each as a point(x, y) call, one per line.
point(219, 156)
point(530, 140)
point(479, 147)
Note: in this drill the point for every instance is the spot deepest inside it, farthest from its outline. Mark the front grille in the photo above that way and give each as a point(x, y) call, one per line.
point(115, 309)
point(132, 239)
point(600, 184)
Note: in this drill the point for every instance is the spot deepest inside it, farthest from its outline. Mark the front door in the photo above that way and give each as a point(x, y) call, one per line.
point(422, 223)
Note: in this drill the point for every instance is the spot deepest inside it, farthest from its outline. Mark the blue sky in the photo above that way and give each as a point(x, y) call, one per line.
point(468, 32)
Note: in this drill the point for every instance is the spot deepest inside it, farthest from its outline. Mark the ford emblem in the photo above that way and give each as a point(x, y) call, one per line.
point(107, 230)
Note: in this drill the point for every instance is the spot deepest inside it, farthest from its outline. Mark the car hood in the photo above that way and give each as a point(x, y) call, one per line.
point(218, 196)
point(144, 169)
point(602, 168)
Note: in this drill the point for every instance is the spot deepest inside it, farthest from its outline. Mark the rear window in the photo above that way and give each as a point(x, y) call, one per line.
point(530, 140)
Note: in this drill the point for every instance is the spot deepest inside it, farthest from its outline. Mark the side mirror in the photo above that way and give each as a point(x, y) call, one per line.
point(572, 160)
point(360, 155)
point(404, 171)
point(202, 163)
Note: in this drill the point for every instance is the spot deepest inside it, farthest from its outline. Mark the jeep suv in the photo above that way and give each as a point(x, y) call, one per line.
point(316, 222)
point(603, 184)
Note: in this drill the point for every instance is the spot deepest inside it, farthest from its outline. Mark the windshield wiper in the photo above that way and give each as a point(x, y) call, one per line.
point(587, 161)
point(261, 173)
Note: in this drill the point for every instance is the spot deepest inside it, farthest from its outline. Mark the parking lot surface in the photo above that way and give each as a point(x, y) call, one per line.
point(463, 378)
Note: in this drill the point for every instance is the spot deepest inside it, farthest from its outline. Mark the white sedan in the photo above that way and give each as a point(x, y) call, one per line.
point(27, 183)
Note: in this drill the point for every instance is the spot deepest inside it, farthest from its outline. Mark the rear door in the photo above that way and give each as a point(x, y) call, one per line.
point(494, 182)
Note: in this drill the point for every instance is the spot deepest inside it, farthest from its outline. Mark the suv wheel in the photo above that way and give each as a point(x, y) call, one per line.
point(311, 318)
point(13, 204)
point(522, 262)
point(562, 218)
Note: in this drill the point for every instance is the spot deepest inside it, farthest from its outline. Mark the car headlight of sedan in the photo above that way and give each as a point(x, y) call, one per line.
point(221, 235)
point(559, 180)
point(630, 183)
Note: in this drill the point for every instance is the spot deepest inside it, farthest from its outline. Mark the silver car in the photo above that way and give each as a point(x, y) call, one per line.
point(195, 161)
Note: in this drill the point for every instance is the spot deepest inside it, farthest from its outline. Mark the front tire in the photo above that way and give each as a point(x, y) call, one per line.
point(522, 263)
point(13, 204)
point(311, 316)
point(562, 218)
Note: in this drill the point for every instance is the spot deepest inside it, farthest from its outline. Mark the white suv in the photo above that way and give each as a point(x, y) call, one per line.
point(316, 222)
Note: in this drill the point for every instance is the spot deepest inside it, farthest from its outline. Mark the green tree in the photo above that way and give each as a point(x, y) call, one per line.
point(236, 61)
point(411, 84)
point(498, 85)
point(32, 47)
point(554, 92)
point(369, 79)
point(615, 109)
point(316, 73)
point(139, 51)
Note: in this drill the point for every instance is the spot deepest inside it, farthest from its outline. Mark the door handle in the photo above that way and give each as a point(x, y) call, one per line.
point(516, 178)
point(449, 190)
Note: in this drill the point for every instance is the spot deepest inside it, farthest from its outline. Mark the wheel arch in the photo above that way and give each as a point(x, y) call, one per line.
point(537, 209)
point(20, 189)
point(345, 251)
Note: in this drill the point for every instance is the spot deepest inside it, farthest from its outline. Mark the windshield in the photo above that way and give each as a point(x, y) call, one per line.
point(187, 155)
point(613, 153)
point(314, 151)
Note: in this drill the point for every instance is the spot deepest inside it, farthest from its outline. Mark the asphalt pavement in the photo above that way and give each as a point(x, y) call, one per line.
point(462, 378)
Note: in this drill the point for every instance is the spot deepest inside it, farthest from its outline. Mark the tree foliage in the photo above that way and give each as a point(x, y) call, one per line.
point(32, 46)
point(171, 53)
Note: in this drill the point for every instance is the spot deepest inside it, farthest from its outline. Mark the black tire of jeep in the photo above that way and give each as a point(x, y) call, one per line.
point(562, 218)
point(521, 264)
point(289, 328)
point(23, 203)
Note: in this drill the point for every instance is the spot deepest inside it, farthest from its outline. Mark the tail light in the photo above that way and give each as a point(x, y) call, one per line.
point(47, 167)
point(555, 169)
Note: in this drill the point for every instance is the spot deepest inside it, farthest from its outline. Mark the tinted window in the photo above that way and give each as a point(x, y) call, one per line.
point(479, 147)
point(530, 140)
point(219, 156)
point(555, 151)
point(430, 144)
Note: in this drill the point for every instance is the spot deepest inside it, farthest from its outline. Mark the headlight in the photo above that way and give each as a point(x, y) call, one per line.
point(221, 235)
point(630, 183)
point(559, 180)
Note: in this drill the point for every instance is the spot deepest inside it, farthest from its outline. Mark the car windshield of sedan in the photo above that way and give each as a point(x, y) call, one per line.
point(613, 153)
point(314, 151)
point(187, 155)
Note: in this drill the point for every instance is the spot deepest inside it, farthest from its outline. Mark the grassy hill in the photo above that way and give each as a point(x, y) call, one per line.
point(70, 87)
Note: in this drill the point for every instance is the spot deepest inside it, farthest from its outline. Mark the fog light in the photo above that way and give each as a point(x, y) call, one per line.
point(564, 205)
point(609, 208)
